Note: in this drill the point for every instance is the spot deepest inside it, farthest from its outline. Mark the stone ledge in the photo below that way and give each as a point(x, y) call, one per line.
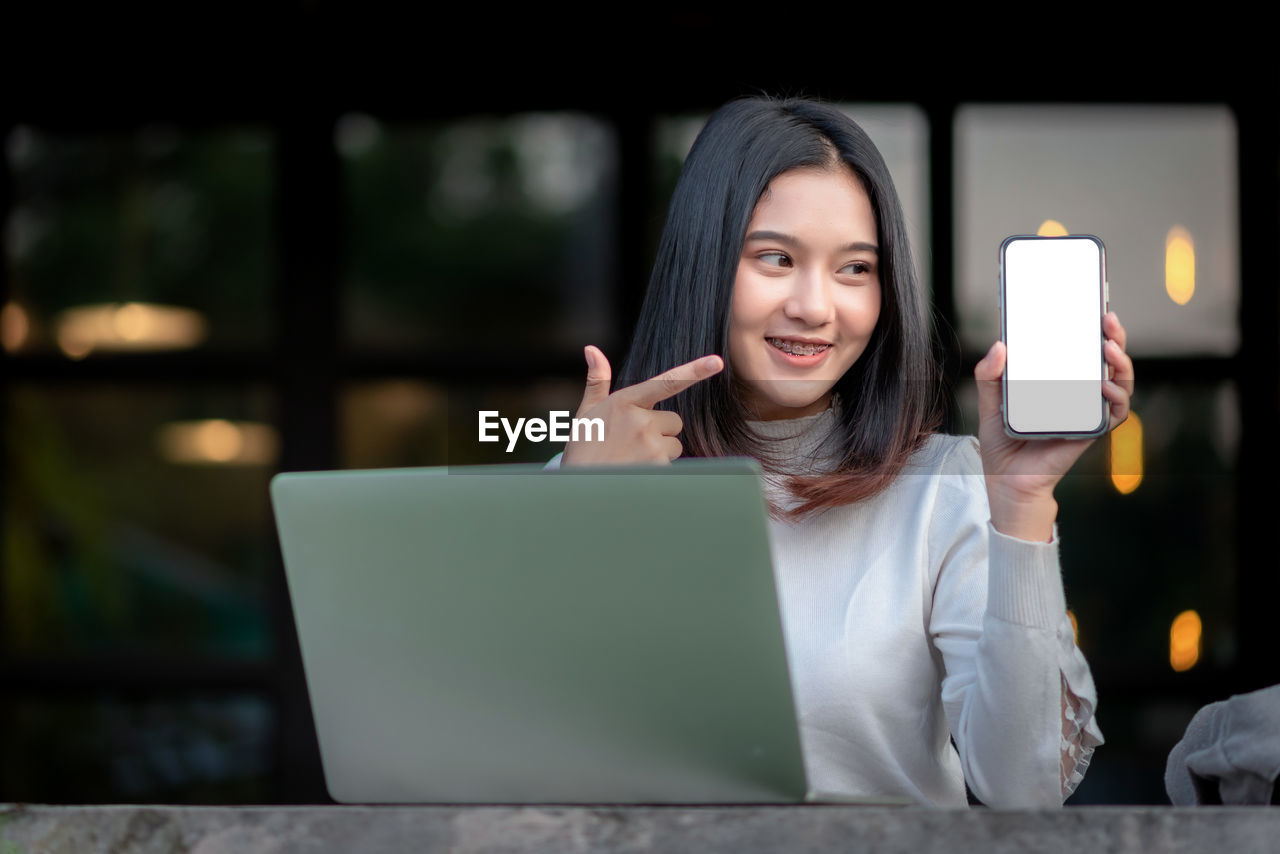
point(706, 830)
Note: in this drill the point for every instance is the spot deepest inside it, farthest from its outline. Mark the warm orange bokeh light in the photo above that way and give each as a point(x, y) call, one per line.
point(1052, 228)
point(1184, 641)
point(218, 442)
point(1126, 454)
point(129, 326)
point(1179, 265)
point(15, 326)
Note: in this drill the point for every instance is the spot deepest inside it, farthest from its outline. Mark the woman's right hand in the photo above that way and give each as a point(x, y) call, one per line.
point(634, 432)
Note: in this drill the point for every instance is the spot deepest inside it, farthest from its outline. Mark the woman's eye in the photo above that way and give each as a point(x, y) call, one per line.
point(775, 259)
point(856, 268)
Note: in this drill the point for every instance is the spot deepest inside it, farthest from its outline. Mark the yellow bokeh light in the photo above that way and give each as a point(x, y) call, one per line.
point(217, 441)
point(1184, 641)
point(1126, 454)
point(1179, 265)
point(132, 322)
point(1052, 228)
point(130, 326)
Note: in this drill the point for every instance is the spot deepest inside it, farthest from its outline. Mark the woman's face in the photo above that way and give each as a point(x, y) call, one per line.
point(807, 292)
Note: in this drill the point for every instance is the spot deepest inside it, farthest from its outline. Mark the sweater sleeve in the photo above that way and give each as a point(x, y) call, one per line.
point(1018, 694)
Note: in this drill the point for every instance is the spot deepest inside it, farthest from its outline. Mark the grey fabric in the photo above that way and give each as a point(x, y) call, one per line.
point(1230, 753)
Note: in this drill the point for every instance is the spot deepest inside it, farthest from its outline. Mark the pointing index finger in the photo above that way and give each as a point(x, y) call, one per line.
point(672, 382)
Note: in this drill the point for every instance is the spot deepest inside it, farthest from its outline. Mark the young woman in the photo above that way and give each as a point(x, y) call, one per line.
point(922, 601)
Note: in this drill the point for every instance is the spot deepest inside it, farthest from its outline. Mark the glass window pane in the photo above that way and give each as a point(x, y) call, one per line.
point(1156, 183)
point(137, 519)
point(479, 231)
point(1143, 544)
point(213, 750)
point(156, 240)
point(394, 423)
point(899, 131)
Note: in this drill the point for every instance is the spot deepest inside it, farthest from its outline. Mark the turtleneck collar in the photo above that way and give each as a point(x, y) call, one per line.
point(795, 445)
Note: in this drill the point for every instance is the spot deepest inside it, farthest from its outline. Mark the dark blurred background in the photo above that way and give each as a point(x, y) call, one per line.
point(243, 240)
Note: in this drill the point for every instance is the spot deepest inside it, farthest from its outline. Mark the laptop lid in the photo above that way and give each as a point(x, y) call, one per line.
point(513, 635)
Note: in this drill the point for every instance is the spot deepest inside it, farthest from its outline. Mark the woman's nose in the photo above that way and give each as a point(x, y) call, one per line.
point(809, 300)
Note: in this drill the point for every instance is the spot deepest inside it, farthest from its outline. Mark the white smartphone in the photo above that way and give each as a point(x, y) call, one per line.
point(1053, 295)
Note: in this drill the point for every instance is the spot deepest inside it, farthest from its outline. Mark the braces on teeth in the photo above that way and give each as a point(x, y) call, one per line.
point(795, 348)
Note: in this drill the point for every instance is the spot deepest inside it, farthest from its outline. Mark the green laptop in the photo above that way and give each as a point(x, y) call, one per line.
point(507, 634)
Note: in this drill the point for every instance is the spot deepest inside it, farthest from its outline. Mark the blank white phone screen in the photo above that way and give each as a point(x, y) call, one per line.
point(1053, 305)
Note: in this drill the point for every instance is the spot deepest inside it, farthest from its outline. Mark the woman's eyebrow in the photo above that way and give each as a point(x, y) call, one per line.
point(787, 239)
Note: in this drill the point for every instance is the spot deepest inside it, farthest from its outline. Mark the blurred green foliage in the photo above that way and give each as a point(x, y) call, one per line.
point(476, 235)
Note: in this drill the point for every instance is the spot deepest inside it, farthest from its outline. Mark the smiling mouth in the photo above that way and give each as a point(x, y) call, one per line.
point(797, 348)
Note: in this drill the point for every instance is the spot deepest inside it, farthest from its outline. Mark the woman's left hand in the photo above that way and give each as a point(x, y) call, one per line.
point(1021, 474)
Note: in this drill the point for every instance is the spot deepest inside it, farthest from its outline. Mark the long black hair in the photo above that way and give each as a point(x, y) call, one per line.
point(891, 398)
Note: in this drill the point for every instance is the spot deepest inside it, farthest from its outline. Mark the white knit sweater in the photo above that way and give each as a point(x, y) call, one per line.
point(910, 621)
